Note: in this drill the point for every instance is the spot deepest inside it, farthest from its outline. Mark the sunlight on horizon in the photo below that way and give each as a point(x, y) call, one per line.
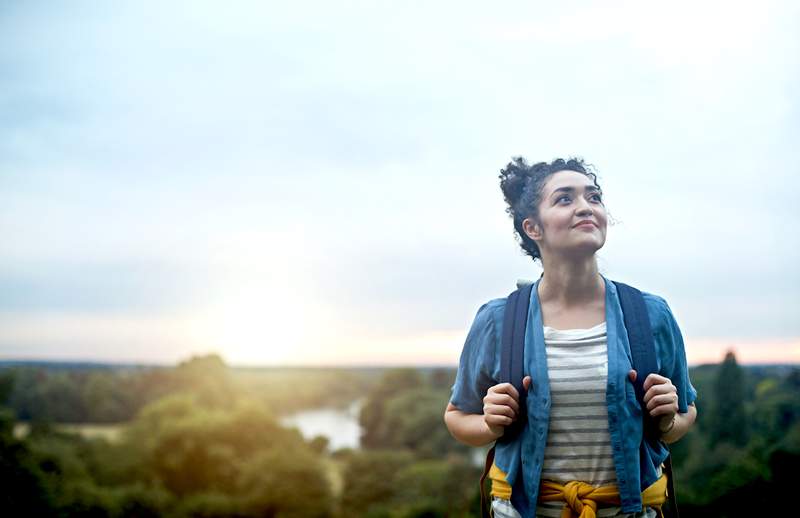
point(242, 335)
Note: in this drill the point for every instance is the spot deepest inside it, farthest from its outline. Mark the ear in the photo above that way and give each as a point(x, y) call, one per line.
point(532, 229)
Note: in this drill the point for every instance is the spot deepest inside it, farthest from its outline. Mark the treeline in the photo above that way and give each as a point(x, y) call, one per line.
point(409, 464)
point(736, 461)
point(206, 441)
point(64, 393)
point(204, 446)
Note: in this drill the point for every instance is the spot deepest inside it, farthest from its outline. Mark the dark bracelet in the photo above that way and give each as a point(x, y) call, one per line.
point(669, 429)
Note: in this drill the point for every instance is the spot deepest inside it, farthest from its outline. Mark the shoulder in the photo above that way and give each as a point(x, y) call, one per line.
point(487, 327)
point(656, 306)
point(490, 315)
point(479, 362)
point(658, 310)
point(493, 307)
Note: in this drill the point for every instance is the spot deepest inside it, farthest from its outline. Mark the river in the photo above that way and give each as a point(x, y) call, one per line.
point(339, 426)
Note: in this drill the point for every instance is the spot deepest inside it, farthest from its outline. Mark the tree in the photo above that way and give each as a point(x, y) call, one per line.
point(393, 382)
point(224, 462)
point(24, 492)
point(727, 416)
point(370, 481)
point(413, 420)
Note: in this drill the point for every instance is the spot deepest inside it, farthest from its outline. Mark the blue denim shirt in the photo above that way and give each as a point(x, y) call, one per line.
point(636, 461)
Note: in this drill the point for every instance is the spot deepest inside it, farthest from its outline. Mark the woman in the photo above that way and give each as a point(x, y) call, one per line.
point(584, 422)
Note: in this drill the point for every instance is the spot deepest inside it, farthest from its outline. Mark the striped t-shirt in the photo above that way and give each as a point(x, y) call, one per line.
point(578, 442)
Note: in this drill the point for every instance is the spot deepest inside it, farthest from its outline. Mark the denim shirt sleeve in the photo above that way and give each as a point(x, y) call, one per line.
point(477, 366)
point(670, 350)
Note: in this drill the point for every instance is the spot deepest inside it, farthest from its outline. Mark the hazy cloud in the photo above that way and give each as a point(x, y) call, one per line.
point(160, 158)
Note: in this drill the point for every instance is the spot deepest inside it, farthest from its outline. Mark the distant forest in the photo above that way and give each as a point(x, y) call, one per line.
point(204, 439)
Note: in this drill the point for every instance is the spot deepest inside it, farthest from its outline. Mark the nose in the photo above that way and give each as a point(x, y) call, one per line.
point(583, 207)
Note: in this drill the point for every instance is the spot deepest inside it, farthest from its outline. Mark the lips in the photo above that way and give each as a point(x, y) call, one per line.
point(585, 223)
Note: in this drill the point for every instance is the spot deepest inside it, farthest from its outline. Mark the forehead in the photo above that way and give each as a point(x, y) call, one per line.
point(562, 179)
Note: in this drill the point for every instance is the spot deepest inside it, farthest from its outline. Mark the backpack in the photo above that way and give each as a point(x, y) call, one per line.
point(643, 354)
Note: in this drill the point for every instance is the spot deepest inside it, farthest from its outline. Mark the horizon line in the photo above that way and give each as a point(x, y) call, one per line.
point(157, 364)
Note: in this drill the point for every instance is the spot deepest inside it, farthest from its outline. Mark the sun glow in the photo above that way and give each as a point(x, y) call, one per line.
point(260, 302)
point(256, 322)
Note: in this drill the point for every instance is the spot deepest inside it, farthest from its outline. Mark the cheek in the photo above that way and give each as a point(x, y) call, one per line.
point(602, 217)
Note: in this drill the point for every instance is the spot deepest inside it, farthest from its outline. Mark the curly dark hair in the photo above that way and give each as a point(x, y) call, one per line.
point(522, 189)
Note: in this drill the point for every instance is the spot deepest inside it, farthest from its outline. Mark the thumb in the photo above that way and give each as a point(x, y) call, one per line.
point(526, 382)
point(632, 375)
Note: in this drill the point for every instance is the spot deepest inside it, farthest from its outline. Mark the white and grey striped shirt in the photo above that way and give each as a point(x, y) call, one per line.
point(578, 443)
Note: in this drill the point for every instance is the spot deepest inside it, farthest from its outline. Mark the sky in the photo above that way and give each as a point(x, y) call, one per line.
point(316, 183)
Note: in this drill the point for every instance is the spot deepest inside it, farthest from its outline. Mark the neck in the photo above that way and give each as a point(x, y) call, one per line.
point(570, 282)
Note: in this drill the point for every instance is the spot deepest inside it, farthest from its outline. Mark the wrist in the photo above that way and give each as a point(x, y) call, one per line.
point(495, 431)
point(668, 428)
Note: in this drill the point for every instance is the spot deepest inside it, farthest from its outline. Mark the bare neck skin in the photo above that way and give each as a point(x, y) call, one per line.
point(571, 293)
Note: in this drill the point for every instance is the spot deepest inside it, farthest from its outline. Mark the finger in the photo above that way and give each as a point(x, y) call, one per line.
point(526, 382)
point(657, 390)
point(666, 410)
point(497, 420)
point(632, 375)
point(662, 399)
point(501, 400)
point(654, 379)
point(505, 388)
point(499, 410)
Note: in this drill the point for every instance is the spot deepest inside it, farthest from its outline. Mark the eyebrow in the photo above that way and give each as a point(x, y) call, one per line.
point(589, 188)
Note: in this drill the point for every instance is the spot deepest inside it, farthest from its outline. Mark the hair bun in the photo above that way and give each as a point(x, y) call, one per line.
point(513, 179)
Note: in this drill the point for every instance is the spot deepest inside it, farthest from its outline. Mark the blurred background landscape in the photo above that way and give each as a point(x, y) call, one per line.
point(241, 244)
point(205, 439)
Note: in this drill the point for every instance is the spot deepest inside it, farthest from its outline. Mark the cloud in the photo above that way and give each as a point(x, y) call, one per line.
point(156, 158)
point(101, 288)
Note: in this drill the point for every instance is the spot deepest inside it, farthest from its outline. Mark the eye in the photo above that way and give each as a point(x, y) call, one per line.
point(596, 197)
point(563, 198)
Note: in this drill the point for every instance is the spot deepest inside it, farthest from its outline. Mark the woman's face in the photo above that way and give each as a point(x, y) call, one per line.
point(572, 218)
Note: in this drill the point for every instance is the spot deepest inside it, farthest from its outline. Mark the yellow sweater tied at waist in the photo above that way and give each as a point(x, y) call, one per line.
point(581, 499)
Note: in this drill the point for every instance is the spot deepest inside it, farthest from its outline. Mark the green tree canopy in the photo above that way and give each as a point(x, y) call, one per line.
point(727, 416)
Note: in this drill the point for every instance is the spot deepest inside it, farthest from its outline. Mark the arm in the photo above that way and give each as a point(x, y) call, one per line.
point(661, 400)
point(470, 429)
point(500, 409)
point(669, 395)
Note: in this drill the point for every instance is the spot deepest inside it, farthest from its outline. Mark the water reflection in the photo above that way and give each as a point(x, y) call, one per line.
point(339, 426)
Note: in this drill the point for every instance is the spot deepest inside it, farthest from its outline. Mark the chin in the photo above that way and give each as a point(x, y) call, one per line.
point(585, 249)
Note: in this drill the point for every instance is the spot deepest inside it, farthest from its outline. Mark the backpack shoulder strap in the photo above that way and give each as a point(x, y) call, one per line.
point(515, 321)
point(640, 335)
point(643, 354)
